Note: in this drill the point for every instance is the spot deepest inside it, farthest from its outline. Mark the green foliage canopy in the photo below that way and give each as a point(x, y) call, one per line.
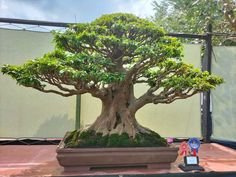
point(114, 49)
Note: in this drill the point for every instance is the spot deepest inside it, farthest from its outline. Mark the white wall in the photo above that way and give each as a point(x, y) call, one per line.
point(25, 112)
point(224, 97)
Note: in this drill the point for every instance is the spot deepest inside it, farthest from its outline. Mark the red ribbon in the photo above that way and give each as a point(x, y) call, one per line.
point(194, 152)
point(183, 148)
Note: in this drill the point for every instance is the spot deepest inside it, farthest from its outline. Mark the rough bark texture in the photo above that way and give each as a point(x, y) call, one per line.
point(118, 113)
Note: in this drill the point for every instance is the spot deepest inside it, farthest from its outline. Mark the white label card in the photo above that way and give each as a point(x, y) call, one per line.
point(191, 160)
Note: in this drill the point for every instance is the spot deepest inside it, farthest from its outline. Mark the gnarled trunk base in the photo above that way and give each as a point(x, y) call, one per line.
point(117, 120)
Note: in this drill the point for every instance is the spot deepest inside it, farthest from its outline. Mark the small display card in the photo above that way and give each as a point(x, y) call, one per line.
point(191, 160)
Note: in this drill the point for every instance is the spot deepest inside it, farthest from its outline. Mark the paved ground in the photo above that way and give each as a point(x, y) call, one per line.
point(40, 160)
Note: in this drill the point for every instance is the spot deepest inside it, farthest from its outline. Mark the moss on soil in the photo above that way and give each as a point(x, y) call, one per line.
point(89, 139)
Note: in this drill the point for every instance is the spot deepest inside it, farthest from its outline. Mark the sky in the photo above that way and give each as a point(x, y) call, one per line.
point(72, 10)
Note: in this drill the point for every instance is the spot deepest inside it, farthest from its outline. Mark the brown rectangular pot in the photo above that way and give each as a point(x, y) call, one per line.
point(83, 159)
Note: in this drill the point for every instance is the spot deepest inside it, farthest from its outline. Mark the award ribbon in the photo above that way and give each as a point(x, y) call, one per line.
point(183, 148)
point(194, 145)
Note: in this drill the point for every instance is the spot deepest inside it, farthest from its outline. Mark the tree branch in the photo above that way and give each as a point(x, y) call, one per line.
point(137, 68)
point(172, 96)
point(143, 100)
point(53, 91)
point(80, 87)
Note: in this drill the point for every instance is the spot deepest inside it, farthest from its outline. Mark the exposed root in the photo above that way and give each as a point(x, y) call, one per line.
point(125, 125)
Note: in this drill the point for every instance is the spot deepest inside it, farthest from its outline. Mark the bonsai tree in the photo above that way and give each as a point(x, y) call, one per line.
point(106, 58)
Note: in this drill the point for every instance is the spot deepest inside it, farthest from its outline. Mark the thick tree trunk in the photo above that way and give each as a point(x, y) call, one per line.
point(118, 113)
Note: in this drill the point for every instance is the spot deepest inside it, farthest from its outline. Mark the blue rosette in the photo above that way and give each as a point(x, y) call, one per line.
point(194, 144)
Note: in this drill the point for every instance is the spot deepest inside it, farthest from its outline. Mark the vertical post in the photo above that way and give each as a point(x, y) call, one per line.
point(77, 114)
point(206, 122)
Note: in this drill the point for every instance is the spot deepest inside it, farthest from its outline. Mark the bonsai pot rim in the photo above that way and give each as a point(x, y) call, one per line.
point(83, 159)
